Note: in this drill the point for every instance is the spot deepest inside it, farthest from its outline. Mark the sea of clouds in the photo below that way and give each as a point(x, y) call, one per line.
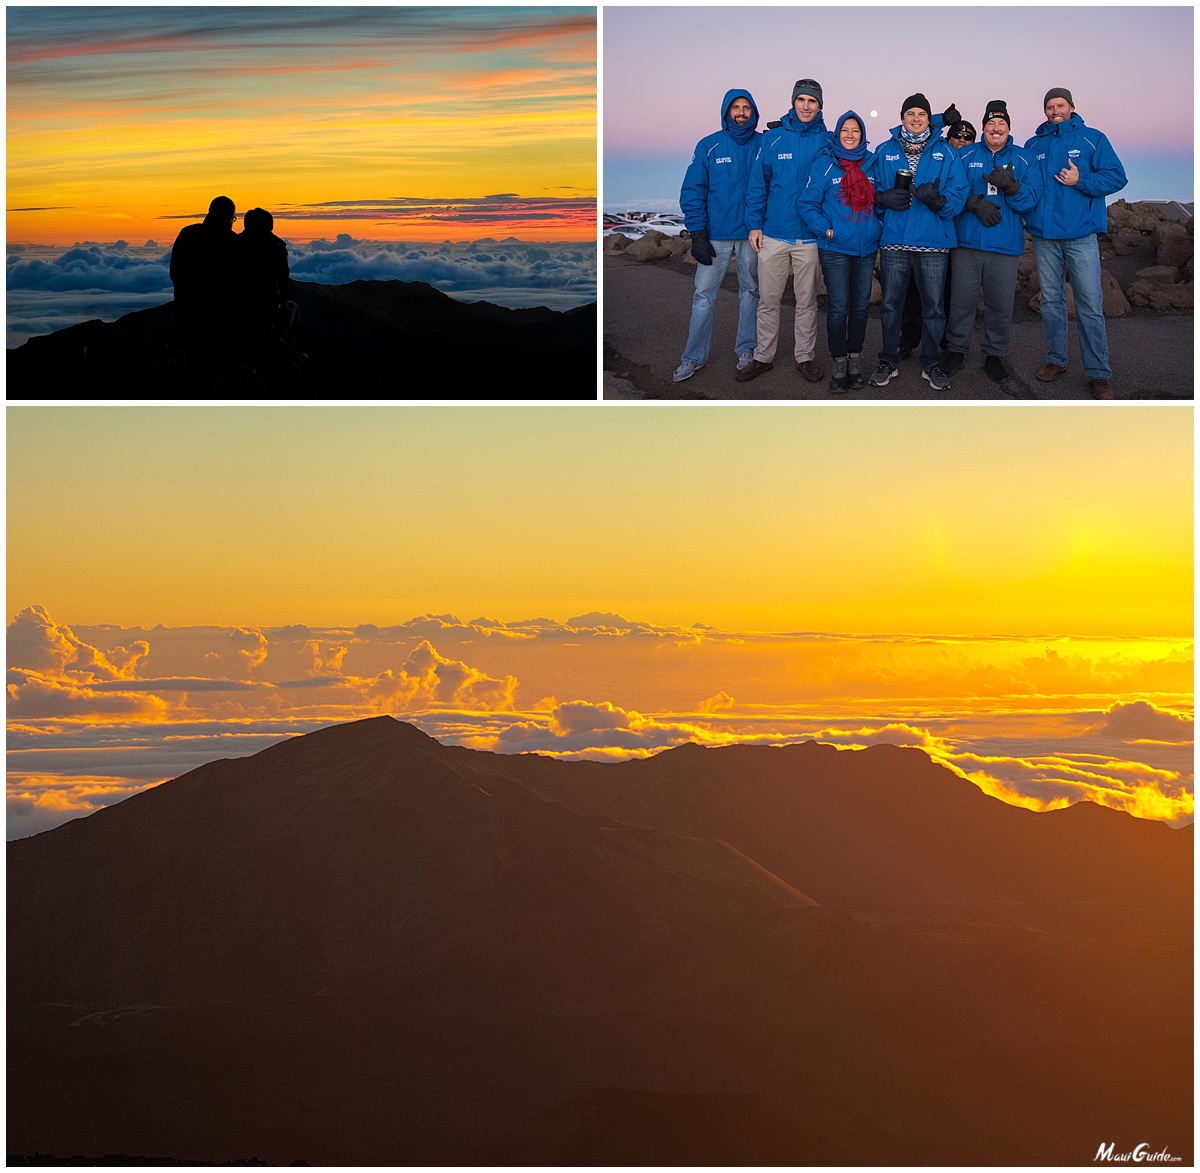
point(50, 288)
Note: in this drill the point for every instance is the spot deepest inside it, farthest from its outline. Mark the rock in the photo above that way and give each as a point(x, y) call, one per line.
point(1172, 242)
point(1171, 297)
point(1159, 274)
point(1139, 292)
point(616, 242)
point(649, 248)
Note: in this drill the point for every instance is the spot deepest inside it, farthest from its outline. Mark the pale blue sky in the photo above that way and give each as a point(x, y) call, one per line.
point(1130, 71)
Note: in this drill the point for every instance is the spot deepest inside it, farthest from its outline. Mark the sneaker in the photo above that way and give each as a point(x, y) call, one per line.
point(839, 382)
point(745, 359)
point(994, 369)
point(884, 373)
point(953, 361)
point(854, 371)
point(753, 369)
point(936, 378)
point(686, 370)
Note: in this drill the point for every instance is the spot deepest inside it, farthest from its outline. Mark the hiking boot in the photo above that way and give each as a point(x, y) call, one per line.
point(810, 370)
point(745, 359)
point(839, 382)
point(1101, 388)
point(884, 373)
point(994, 368)
point(1050, 372)
point(753, 369)
point(953, 361)
point(686, 370)
point(936, 378)
point(854, 371)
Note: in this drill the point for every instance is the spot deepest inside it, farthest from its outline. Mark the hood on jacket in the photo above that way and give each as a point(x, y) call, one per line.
point(740, 134)
point(790, 122)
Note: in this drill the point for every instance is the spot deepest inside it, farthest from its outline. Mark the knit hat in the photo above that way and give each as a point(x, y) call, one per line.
point(958, 127)
point(918, 101)
point(997, 109)
point(1058, 93)
point(806, 85)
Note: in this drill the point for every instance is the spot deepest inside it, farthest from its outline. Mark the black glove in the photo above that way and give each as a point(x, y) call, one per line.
point(987, 212)
point(1001, 178)
point(894, 199)
point(704, 252)
point(929, 195)
point(951, 116)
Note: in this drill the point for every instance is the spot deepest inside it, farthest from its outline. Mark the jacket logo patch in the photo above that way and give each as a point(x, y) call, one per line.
point(726, 159)
point(1074, 154)
point(1041, 156)
point(785, 156)
point(836, 179)
point(891, 158)
point(979, 165)
point(939, 155)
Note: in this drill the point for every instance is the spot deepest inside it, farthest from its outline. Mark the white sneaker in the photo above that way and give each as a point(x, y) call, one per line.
point(686, 370)
point(745, 359)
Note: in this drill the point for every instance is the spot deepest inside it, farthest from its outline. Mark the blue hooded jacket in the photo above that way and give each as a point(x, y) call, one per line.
point(713, 196)
point(779, 175)
point(1009, 235)
point(821, 207)
point(1065, 212)
point(920, 226)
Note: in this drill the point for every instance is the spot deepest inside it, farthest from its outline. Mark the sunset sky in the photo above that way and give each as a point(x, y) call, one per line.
point(1129, 69)
point(1009, 589)
point(389, 123)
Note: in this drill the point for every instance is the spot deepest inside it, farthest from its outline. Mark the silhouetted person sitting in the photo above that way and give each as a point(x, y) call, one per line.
point(202, 264)
point(265, 314)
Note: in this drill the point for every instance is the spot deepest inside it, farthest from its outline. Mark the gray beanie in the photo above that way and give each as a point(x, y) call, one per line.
point(1058, 93)
point(806, 85)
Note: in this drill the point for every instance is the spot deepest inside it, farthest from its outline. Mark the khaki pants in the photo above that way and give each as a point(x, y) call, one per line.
point(777, 259)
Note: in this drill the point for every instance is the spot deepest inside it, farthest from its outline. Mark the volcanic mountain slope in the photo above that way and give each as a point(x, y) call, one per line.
point(389, 339)
point(361, 946)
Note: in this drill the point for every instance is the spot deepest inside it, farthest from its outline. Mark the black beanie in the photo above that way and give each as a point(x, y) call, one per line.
point(997, 109)
point(919, 101)
point(1058, 93)
point(806, 85)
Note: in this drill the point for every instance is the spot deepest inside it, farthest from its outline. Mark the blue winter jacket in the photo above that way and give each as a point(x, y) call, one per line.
point(1009, 235)
point(713, 196)
point(779, 175)
point(822, 209)
point(919, 226)
point(1065, 212)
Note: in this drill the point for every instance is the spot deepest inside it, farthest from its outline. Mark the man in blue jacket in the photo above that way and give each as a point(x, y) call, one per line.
point(777, 233)
point(1004, 184)
point(713, 202)
point(1077, 168)
point(920, 187)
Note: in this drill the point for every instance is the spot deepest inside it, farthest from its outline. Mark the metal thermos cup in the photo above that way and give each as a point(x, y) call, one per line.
point(904, 180)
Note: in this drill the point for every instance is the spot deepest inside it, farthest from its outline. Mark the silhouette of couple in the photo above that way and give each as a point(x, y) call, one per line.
point(231, 288)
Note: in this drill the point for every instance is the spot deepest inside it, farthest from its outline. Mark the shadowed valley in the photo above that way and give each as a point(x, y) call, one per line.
point(363, 947)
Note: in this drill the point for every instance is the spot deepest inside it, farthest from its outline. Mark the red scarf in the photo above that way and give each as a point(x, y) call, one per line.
point(856, 191)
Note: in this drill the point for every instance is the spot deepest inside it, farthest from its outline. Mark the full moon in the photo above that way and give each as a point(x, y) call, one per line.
point(874, 113)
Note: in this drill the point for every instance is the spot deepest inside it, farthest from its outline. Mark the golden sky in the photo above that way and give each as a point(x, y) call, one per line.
point(389, 123)
point(1009, 590)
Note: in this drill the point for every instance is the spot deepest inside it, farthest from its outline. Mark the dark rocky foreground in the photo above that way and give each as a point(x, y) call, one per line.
point(363, 947)
point(367, 339)
point(1148, 284)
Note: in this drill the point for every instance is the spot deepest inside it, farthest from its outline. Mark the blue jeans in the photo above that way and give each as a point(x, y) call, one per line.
point(1082, 257)
point(708, 281)
point(848, 284)
point(930, 268)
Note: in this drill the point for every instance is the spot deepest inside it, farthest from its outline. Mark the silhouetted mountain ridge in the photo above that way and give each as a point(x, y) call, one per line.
point(391, 339)
point(362, 946)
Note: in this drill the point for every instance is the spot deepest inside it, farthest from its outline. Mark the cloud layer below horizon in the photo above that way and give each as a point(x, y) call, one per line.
point(97, 713)
point(50, 288)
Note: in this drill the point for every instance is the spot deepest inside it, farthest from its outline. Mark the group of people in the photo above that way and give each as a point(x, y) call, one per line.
point(945, 214)
point(231, 288)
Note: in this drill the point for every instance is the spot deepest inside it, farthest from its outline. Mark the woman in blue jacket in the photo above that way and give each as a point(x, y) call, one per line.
point(838, 208)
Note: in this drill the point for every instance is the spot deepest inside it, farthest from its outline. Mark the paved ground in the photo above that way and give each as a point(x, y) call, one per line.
point(647, 306)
